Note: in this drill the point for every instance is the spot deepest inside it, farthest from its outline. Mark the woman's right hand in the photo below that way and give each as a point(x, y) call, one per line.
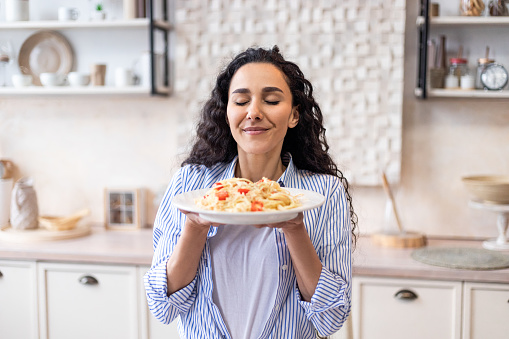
point(194, 220)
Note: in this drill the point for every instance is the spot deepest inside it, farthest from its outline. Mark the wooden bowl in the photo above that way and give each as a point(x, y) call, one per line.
point(53, 223)
point(488, 188)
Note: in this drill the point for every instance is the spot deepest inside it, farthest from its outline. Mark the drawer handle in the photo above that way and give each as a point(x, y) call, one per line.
point(88, 280)
point(405, 295)
point(1, 274)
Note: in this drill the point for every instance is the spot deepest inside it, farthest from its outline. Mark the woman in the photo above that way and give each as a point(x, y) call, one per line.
point(286, 280)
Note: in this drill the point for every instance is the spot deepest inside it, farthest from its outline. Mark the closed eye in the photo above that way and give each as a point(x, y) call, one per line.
point(243, 103)
point(272, 102)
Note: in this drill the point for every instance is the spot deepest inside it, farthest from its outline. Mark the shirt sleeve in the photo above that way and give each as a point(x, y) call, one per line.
point(330, 304)
point(168, 225)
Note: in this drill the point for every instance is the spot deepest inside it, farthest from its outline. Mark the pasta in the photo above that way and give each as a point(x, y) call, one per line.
point(242, 195)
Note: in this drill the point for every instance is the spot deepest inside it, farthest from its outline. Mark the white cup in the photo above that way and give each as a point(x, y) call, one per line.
point(5, 200)
point(21, 80)
point(51, 79)
point(78, 79)
point(68, 14)
point(123, 77)
point(467, 82)
point(16, 10)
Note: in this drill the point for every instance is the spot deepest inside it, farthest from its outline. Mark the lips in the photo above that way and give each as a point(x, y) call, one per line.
point(254, 130)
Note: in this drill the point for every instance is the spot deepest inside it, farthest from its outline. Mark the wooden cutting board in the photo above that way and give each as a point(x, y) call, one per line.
point(399, 240)
point(41, 234)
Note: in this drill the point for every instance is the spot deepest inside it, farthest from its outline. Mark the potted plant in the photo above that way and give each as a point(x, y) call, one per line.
point(98, 13)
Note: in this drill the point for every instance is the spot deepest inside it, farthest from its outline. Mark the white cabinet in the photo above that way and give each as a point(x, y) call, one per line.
point(486, 311)
point(87, 301)
point(402, 308)
point(18, 301)
point(151, 327)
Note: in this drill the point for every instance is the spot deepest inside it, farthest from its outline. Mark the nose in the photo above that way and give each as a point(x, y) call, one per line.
point(254, 111)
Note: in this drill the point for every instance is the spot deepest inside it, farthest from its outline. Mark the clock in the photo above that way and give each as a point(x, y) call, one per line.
point(494, 77)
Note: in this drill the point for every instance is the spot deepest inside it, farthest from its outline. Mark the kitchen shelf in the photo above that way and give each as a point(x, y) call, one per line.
point(54, 24)
point(460, 93)
point(468, 21)
point(150, 23)
point(86, 90)
point(424, 22)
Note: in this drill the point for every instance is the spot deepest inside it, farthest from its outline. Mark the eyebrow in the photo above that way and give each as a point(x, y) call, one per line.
point(264, 90)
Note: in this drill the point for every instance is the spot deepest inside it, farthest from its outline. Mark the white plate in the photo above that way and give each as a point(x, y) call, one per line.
point(308, 199)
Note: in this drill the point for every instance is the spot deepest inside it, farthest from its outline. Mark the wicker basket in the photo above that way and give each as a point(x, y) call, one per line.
point(53, 223)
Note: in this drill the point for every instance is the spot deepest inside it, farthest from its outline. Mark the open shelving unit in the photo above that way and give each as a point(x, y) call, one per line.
point(150, 23)
point(424, 23)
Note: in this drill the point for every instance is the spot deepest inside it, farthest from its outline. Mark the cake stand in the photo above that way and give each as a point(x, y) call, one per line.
point(500, 243)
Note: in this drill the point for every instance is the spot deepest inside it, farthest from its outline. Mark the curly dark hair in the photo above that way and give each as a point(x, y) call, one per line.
point(306, 142)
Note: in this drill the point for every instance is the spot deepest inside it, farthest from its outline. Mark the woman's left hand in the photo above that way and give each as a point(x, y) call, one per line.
point(289, 225)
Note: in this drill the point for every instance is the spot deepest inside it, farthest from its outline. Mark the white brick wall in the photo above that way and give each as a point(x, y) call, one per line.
point(352, 52)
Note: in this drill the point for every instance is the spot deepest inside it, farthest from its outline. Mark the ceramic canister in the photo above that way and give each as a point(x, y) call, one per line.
point(24, 207)
point(16, 10)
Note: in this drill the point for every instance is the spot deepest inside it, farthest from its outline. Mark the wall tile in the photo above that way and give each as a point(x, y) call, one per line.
point(352, 52)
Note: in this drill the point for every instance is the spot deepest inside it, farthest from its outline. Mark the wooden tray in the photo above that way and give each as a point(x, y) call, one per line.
point(41, 234)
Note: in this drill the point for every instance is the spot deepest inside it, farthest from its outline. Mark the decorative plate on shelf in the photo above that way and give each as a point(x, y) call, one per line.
point(45, 52)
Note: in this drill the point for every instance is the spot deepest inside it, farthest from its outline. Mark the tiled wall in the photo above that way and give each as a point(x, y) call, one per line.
point(352, 51)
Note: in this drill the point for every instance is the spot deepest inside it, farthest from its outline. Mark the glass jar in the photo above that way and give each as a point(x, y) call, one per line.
point(458, 66)
point(472, 7)
point(481, 63)
point(498, 8)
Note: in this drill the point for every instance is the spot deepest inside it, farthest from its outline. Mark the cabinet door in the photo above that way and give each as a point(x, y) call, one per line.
point(402, 309)
point(486, 311)
point(151, 327)
point(18, 300)
point(87, 301)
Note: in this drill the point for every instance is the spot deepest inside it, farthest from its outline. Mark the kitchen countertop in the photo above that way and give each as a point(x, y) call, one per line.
point(135, 248)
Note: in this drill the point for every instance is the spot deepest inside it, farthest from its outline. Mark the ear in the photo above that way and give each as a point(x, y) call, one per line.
point(294, 117)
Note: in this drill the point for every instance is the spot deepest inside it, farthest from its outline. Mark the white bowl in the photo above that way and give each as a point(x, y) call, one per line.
point(488, 188)
point(78, 79)
point(21, 80)
point(51, 79)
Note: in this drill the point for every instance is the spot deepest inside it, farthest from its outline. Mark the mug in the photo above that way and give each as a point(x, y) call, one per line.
point(21, 80)
point(67, 13)
point(78, 79)
point(16, 10)
point(51, 79)
point(98, 74)
point(123, 77)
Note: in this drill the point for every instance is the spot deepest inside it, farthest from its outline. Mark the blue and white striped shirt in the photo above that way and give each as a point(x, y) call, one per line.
point(290, 317)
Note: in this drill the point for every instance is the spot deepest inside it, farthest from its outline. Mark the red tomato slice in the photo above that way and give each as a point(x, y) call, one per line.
point(243, 190)
point(256, 206)
point(222, 195)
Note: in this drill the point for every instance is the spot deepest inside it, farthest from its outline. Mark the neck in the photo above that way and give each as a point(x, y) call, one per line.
point(256, 166)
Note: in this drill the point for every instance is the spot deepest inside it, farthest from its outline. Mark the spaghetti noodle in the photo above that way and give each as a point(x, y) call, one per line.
point(242, 195)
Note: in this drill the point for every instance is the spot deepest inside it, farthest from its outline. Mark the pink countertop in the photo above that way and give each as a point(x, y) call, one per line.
point(101, 246)
point(135, 248)
point(375, 261)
